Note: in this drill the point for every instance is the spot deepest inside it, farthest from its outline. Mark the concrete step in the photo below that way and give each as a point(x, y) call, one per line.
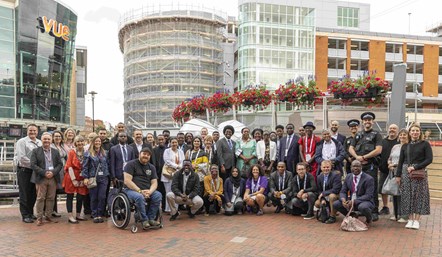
point(436, 194)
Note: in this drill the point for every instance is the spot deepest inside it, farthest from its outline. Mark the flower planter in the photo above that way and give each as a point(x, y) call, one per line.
point(371, 93)
point(348, 96)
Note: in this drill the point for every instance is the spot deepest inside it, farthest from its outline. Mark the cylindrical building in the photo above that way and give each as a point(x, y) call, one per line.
point(170, 54)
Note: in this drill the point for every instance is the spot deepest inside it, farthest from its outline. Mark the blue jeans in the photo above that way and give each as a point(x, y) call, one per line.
point(98, 196)
point(140, 202)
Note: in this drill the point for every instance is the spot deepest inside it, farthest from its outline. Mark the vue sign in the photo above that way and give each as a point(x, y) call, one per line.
point(54, 28)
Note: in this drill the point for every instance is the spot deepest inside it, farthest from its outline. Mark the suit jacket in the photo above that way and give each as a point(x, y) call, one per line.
point(38, 165)
point(158, 159)
point(114, 140)
point(340, 138)
point(135, 149)
point(184, 147)
point(274, 183)
point(192, 186)
point(365, 189)
point(333, 185)
point(340, 154)
point(226, 156)
point(116, 160)
point(292, 154)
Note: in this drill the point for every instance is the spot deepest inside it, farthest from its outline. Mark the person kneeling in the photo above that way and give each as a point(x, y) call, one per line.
point(329, 186)
point(256, 190)
point(213, 190)
point(185, 189)
point(280, 184)
point(360, 187)
point(234, 189)
point(140, 178)
point(304, 191)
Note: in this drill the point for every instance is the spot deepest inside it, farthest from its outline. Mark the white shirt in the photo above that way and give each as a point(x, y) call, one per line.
point(24, 149)
point(329, 150)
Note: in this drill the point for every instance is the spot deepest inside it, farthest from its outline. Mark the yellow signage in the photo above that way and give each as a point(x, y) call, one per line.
point(54, 28)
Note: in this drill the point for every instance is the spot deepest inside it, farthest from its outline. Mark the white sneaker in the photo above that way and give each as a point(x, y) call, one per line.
point(393, 218)
point(402, 220)
point(409, 224)
point(415, 225)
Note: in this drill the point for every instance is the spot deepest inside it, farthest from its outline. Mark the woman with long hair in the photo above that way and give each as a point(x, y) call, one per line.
point(415, 194)
point(198, 157)
point(73, 182)
point(68, 142)
point(95, 165)
point(57, 143)
point(256, 190)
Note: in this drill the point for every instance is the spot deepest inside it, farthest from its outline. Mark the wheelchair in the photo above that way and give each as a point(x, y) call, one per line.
point(122, 208)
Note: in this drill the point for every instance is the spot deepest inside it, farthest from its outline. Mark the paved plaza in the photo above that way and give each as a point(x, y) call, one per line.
point(218, 235)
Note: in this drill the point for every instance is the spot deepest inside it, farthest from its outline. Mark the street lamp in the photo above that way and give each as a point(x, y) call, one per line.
point(415, 85)
point(93, 93)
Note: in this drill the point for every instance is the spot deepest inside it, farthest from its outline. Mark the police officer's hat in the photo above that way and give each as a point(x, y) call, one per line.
point(353, 123)
point(368, 115)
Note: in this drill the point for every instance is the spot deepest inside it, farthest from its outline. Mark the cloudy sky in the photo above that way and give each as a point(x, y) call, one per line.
point(98, 30)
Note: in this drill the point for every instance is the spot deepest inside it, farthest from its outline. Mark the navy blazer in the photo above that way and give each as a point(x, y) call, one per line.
point(38, 165)
point(340, 138)
point(364, 192)
point(292, 154)
point(116, 160)
point(135, 149)
point(333, 185)
point(228, 189)
point(340, 155)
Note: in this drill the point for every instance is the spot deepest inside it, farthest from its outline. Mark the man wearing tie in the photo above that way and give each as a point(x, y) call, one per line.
point(289, 148)
point(329, 186)
point(119, 155)
point(358, 189)
point(226, 152)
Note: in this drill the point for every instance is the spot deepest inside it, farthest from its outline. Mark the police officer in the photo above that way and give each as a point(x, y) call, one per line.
point(366, 148)
point(353, 126)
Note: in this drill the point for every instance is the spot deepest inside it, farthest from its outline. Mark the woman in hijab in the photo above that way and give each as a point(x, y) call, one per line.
point(234, 189)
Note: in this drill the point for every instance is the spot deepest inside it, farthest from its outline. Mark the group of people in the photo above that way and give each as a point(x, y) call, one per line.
point(299, 173)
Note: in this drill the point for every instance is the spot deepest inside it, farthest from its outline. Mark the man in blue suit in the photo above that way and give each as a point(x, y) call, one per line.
point(119, 155)
point(289, 148)
point(360, 187)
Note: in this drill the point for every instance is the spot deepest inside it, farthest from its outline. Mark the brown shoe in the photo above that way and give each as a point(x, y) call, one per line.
point(49, 220)
point(39, 222)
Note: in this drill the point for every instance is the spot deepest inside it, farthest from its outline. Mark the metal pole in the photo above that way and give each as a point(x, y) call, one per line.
point(409, 22)
point(93, 93)
point(415, 102)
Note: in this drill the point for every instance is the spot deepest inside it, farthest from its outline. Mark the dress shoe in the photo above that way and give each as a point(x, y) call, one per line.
point(191, 215)
point(49, 220)
point(28, 220)
point(384, 211)
point(173, 217)
point(375, 216)
point(56, 214)
point(39, 222)
point(73, 221)
point(33, 217)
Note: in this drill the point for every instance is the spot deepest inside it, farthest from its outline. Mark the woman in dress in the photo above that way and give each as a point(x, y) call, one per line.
point(393, 161)
point(57, 143)
point(173, 158)
point(415, 194)
point(234, 189)
point(95, 165)
point(256, 190)
point(245, 151)
point(73, 182)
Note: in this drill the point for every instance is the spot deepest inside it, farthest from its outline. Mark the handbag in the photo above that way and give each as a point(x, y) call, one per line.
point(93, 181)
point(168, 171)
point(351, 224)
point(415, 174)
point(390, 186)
point(323, 214)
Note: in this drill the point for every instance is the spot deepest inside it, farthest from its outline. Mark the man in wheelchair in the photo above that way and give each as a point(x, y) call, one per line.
point(140, 179)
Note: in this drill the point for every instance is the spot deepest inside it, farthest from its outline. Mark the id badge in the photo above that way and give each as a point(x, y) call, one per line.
point(286, 152)
point(51, 168)
point(100, 173)
point(283, 196)
point(238, 152)
point(353, 196)
point(308, 157)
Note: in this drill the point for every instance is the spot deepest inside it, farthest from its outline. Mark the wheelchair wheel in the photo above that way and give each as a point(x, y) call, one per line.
point(120, 211)
point(134, 228)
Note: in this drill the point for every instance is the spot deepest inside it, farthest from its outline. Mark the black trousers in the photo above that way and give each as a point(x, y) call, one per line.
point(224, 176)
point(207, 203)
point(69, 201)
point(372, 170)
point(86, 204)
point(26, 192)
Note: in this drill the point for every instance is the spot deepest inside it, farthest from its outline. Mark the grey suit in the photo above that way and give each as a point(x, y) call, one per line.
point(38, 165)
point(226, 156)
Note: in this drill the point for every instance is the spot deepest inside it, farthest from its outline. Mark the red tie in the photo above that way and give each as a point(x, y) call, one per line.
point(355, 180)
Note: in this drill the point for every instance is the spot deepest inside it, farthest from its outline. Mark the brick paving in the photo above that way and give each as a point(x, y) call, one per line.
point(267, 235)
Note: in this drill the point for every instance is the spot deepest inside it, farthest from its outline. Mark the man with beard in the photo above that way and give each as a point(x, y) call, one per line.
point(307, 147)
point(139, 144)
point(334, 126)
point(166, 134)
point(226, 152)
point(105, 143)
point(185, 189)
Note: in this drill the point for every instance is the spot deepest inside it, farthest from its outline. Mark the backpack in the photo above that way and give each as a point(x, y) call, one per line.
point(323, 214)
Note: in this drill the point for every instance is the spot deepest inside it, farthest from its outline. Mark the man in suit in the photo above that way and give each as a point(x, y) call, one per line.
point(121, 128)
point(280, 184)
point(360, 187)
point(215, 136)
point(46, 165)
point(139, 144)
point(226, 152)
point(289, 148)
point(334, 126)
point(158, 162)
point(329, 186)
point(119, 155)
point(26, 188)
point(185, 189)
point(329, 149)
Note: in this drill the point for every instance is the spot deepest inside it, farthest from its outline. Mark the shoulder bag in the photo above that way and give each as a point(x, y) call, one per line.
point(352, 224)
point(415, 174)
point(93, 180)
point(390, 187)
point(168, 171)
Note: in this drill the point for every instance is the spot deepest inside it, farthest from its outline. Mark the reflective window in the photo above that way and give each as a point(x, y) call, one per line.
point(348, 17)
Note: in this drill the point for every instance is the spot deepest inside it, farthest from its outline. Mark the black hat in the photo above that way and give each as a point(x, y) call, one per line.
point(309, 124)
point(146, 149)
point(228, 127)
point(368, 115)
point(353, 123)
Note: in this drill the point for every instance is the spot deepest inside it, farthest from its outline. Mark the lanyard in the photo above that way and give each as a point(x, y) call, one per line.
point(214, 189)
point(309, 149)
point(48, 155)
point(305, 182)
point(196, 157)
point(255, 187)
point(210, 156)
point(281, 183)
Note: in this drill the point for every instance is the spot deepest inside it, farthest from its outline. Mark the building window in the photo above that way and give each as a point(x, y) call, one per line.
point(334, 43)
point(337, 63)
point(359, 45)
point(348, 17)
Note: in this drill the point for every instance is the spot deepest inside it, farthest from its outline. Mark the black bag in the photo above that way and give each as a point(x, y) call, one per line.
point(323, 214)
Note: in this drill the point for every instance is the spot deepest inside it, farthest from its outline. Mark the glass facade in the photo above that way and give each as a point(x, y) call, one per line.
point(348, 17)
point(275, 43)
point(44, 62)
point(7, 63)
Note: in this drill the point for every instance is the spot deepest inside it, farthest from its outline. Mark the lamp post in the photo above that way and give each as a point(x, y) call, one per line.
point(93, 93)
point(415, 85)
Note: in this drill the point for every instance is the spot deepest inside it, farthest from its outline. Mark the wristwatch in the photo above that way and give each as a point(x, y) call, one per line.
point(139, 190)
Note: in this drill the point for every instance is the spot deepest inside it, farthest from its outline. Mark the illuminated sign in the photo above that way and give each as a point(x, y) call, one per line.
point(54, 28)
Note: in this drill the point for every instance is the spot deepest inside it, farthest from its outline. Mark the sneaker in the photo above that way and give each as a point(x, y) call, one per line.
point(260, 212)
point(384, 211)
point(146, 224)
point(304, 215)
point(402, 220)
point(154, 223)
point(393, 218)
point(96, 220)
point(191, 215)
point(375, 216)
point(56, 214)
point(416, 225)
point(409, 224)
point(173, 217)
point(309, 216)
point(330, 220)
